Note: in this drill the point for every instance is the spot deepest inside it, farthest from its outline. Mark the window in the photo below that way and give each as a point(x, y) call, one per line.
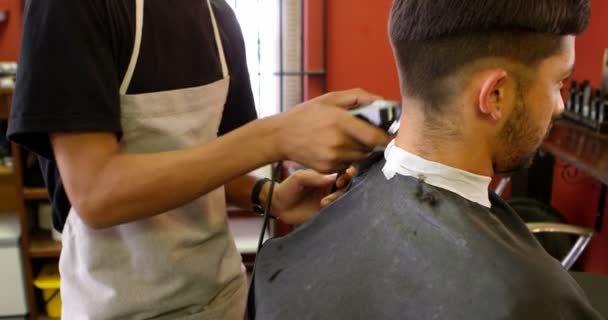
point(267, 26)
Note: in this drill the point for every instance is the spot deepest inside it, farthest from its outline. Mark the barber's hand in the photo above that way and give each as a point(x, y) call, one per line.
point(323, 135)
point(341, 185)
point(304, 193)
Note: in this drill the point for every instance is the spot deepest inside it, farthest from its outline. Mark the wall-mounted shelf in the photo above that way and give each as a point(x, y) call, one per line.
point(42, 245)
point(5, 170)
point(38, 246)
point(5, 100)
point(35, 193)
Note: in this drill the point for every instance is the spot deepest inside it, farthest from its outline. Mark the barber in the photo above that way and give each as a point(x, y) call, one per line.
point(143, 119)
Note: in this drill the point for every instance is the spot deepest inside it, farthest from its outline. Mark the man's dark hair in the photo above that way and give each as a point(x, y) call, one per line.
point(434, 38)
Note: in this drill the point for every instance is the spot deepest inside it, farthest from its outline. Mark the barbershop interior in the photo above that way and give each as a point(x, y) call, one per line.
point(303, 159)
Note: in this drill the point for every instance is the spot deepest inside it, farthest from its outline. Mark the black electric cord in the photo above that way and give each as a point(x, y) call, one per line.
point(275, 173)
point(250, 312)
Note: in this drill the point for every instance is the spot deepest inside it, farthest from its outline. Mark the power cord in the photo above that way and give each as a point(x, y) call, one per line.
point(250, 312)
point(278, 170)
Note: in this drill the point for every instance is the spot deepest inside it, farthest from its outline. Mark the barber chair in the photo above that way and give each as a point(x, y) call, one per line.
point(563, 241)
point(584, 237)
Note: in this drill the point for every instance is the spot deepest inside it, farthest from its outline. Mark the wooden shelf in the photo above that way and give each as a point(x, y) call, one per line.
point(5, 101)
point(35, 193)
point(42, 245)
point(579, 146)
point(5, 90)
point(5, 171)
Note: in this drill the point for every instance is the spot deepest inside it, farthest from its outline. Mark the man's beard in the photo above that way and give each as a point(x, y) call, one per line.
point(520, 140)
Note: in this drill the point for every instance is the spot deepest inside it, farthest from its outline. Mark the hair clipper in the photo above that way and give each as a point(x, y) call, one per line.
point(384, 114)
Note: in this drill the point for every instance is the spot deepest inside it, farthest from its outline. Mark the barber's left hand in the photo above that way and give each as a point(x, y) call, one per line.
point(305, 192)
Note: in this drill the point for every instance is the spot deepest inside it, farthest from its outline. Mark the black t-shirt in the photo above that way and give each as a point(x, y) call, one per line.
point(74, 56)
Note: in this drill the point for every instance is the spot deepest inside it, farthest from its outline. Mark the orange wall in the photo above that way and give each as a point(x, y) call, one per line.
point(359, 55)
point(590, 46)
point(10, 30)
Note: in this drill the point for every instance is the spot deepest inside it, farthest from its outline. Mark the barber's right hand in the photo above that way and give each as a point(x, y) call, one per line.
point(324, 136)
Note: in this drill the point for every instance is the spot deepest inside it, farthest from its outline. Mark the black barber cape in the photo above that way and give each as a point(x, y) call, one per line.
point(402, 249)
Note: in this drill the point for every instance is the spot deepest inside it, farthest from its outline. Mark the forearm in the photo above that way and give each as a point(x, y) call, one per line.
point(108, 187)
point(129, 187)
point(238, 191)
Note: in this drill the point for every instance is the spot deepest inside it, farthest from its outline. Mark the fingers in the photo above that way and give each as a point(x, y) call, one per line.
point(341, 183)
point(330, 198)
point(311, 178)
point(364, 132)
point(349, 98)
point(351, 171)
point(347, 158)
point(345, 178)
point(326, 138)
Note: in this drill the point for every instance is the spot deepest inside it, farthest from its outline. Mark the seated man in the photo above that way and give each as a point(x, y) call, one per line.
point(418, 235)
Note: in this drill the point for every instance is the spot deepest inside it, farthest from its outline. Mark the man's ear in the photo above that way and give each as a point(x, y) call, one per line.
point(492, 94)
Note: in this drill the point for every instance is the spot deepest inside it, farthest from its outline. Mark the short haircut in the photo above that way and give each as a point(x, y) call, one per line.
point(433, 39)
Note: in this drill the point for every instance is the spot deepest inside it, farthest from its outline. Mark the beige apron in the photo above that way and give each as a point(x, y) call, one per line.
point(182, 264)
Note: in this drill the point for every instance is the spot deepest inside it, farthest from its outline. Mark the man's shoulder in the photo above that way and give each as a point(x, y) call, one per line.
point(411, 244)
point(400, 217)
point(381, 216)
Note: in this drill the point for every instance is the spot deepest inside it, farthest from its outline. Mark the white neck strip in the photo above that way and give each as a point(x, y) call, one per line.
point(468, 185)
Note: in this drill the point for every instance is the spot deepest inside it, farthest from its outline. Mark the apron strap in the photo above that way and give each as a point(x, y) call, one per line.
point(139, 22)
point(218, 42)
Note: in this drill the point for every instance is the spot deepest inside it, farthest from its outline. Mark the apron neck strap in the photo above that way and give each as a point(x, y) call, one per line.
point(139, 23)
point(218, 41)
